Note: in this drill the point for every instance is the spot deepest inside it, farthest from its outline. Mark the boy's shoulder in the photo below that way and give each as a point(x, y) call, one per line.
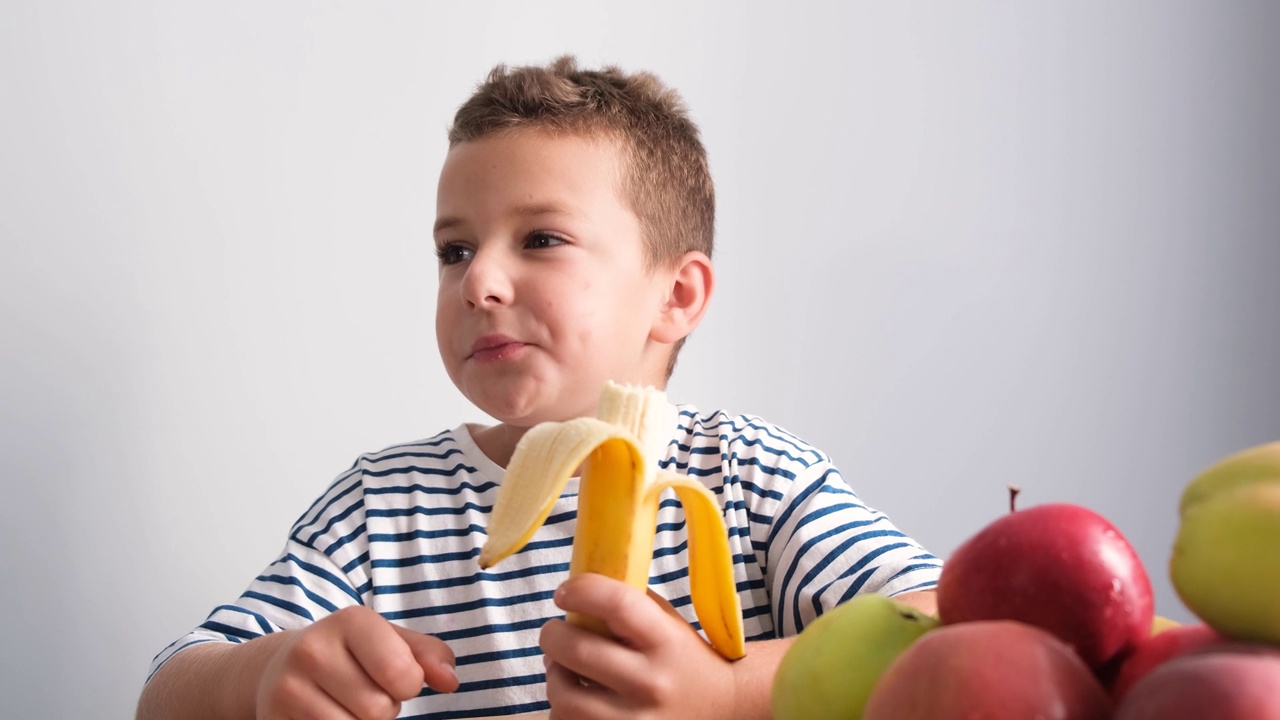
point(448, 459)
point(742, 434)
point(443, 444)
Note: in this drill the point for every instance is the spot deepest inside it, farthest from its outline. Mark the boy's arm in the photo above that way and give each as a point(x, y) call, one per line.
point(926, 601)
point(209, 681)
point(353, 662)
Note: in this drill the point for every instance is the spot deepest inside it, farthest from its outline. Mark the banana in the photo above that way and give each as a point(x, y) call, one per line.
point(617, 452)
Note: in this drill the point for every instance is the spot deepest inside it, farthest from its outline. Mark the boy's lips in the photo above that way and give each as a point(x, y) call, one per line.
point(494, 347)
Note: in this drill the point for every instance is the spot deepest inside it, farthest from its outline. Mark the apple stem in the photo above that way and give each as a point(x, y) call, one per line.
point(1013, 498)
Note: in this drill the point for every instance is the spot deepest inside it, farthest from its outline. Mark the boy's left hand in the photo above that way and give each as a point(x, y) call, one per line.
point(657, 667)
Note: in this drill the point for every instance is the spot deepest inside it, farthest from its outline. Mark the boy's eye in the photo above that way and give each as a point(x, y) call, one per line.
point(540, 240)
point(452, 253)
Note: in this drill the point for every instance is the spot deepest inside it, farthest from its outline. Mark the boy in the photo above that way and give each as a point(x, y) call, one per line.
point(575, 216)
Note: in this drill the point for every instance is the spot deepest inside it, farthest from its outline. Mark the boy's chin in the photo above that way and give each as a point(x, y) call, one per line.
point(533, 414)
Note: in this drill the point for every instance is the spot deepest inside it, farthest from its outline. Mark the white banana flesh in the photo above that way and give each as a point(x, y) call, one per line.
point(618, 495)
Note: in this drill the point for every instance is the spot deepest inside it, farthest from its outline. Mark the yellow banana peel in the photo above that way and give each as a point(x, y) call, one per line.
point(618, 494)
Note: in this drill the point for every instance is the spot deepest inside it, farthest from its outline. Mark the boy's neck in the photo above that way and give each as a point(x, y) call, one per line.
point(498, 442)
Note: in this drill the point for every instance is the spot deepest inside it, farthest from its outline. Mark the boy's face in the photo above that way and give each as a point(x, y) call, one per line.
point(544, 294)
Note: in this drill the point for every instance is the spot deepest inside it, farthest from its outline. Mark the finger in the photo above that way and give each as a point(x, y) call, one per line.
point(663, 603)
point(386, 658)
point(434, 658)
point(629, 614)
point(300, 697)
point(600, 660)
point(344, 680)
point(571, 697)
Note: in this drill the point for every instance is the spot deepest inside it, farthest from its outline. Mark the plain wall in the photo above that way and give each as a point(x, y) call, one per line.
point(960, 246)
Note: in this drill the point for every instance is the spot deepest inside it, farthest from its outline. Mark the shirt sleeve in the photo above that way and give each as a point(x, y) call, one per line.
point(322, 569)
point(825, 546)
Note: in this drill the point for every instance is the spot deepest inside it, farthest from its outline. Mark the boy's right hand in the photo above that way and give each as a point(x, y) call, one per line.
point(352, 664)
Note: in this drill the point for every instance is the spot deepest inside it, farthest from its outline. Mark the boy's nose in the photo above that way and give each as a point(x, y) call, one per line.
point(486, 282)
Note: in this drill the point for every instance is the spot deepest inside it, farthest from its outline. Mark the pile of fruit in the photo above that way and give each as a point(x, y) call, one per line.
point(1047, 613)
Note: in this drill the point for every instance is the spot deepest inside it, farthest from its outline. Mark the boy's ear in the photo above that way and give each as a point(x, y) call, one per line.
point(692, 281)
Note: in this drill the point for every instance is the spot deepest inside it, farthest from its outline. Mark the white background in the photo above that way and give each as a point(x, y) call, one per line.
point(960, 246)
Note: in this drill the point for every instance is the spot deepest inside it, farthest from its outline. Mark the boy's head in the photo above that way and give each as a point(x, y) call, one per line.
point(666, 182)
point(574, 226)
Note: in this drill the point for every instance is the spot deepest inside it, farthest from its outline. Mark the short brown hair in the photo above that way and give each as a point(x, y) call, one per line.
point(667, 181)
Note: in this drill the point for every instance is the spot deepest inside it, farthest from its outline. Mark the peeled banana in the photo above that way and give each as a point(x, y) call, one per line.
point(617, 452)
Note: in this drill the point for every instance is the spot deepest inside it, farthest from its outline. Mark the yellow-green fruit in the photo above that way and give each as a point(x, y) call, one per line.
point(833, 665)
point(1226, 560)
point(1247, 467)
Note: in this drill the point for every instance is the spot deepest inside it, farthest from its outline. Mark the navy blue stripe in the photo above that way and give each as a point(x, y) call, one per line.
point(839, 550)
point(471, 579)
point(455, 450)
point(738, 429)
point(834, 490)
point(342, 541)
point(431, 490)
point(501, 682)
point(428, 511)
point(289, 580)
point(320, 509)
point(545, 544)
point(782, 519)
point(756, 489)
point(420, 534)
point(414, 469)
point(470, 605)
point(694, 450)
point(263, 623)
point(493, 629)
point(323, 574)
point(497, 656)
point(786, 595)
point(764, 468)
point(354, 563)
point(230, 631)
point(434, 441)
point(426, 559)
point(911, 569)
point(856, 586)
point(357, 505)
point(741, 442)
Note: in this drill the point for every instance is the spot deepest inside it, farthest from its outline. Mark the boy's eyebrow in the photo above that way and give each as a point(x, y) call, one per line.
point(527, 210)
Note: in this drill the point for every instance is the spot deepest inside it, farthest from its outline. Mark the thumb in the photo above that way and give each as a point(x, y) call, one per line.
point(435, 658)
point(663, 603)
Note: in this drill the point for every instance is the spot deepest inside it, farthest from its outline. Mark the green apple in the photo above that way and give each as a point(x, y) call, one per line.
point(832, 666)
point(1226, 557)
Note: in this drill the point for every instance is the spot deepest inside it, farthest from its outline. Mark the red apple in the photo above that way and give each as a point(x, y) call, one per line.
point(1159, 649)
point(1222, 682)
point(995, 670)
point(1061, 567)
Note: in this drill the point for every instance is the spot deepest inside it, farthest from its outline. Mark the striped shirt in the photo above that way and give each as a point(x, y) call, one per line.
point(401, 530)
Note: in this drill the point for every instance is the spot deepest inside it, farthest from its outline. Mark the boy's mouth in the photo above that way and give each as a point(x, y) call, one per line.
point(494, 347)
